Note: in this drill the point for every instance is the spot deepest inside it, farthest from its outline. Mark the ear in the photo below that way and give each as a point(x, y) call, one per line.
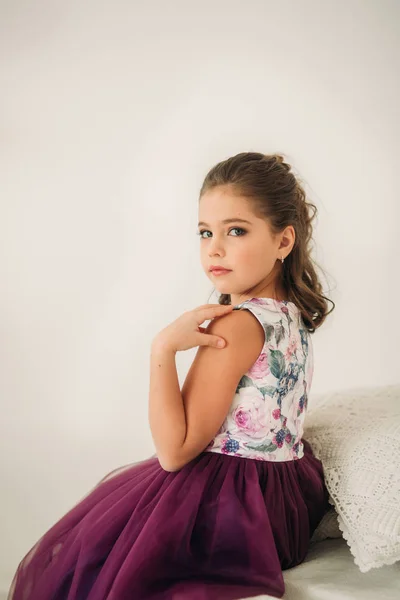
point(287, 239)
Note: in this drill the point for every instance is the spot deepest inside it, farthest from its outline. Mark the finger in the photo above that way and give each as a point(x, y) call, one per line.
point(212, 340)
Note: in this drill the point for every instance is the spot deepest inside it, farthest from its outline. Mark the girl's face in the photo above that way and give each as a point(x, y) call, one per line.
point(248, 249)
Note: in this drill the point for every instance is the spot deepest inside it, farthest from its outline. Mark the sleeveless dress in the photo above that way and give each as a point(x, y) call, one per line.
point(226, 525)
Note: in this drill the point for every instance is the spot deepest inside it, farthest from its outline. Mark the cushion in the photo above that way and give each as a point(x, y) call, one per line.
point(328, 527)
point(356, 435)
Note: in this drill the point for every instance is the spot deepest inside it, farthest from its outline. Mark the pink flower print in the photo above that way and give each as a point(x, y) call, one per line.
point(259, 301)
point(251, 419)
point(292, 347)
point(250, 414)
point(288, 437)
point(276, 413)
point(260, 369)
point(284, 310)
point(242, 418)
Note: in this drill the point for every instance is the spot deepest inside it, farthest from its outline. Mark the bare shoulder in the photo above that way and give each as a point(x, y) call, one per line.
point(244, 337)
point(218, 370)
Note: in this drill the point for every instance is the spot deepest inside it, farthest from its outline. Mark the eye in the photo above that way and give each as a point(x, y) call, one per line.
point(238, 229)
point(200, 233)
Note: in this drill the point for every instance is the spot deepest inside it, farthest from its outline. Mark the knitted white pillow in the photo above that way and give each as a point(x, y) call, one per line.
point(356, 435)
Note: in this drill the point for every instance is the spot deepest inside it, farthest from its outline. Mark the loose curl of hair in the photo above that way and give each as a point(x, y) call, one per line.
point(278, 197)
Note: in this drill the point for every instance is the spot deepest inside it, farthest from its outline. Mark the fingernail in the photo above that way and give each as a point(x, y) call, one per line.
point(220, 343)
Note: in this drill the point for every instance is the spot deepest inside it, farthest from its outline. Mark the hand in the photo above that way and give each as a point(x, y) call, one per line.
point(185, 332)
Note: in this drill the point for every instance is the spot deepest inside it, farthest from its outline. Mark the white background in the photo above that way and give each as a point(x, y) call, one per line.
point(111, 115)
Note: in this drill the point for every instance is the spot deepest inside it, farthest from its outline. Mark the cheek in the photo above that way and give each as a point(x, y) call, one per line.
point(255, 260)
point(249, 257)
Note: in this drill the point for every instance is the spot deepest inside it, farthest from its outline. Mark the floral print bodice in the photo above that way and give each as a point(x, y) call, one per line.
point(266, 418)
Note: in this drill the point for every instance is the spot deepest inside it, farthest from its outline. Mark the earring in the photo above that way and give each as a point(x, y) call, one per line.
point(282, 259)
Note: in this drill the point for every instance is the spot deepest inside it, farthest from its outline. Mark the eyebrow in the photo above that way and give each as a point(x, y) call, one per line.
point(227, 221)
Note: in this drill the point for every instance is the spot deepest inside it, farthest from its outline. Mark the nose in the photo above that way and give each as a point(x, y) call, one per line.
point(215, 247)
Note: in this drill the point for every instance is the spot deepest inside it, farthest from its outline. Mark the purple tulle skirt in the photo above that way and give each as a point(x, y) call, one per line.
point(221, 528)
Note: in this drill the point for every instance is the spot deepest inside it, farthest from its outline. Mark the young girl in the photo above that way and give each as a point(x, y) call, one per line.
point(234, 493)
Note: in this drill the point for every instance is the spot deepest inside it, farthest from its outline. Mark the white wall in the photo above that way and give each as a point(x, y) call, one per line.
point(111, 115)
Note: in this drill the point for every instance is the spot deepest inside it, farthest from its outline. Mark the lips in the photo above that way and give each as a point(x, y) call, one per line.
point(219, 270)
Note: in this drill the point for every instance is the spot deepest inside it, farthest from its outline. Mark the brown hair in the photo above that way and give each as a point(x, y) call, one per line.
point(279, 197)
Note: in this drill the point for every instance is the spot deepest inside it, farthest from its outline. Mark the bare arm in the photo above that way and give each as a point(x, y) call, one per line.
point(183, 423)
point(166, 411)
